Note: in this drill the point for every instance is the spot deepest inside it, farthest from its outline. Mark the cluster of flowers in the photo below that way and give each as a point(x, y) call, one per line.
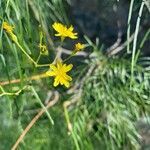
point(60, 69)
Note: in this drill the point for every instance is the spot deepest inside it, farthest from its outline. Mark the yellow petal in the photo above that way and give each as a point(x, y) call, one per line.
point(53, 67)
point(56, 82)
point(50, 73)
point(68, 77)
point(58, 34)
point(62, 80)
point(71, 28)
point(59, 64)
point(55, 26)
point(73, 36)
point(67, 84)
point(68, 68)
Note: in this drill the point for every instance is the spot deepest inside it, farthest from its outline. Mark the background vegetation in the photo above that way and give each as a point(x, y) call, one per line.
point(108, 103)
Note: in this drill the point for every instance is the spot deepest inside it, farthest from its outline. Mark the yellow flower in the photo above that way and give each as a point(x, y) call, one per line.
point(63, 31)
point(59, 72)
point(79, 46)
point(43, 49)
point(7, 27)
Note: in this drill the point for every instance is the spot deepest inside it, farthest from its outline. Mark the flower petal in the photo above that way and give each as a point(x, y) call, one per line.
point(67, 84)
point(59, 64)
point(68, 77)
point(71, 28)
point(57, 34)
point(68, 68)
point(53, 67)
point(51, 73)
point(56, 82)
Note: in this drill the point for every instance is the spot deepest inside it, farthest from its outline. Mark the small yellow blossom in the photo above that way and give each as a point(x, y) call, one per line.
point(7, 27)
point(79, 46)
point(63, 31)
point(59, 72)
point(43, 49)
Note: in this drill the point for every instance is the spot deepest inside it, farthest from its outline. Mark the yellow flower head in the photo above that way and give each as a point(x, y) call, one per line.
point(79, 46)
point(63, 31)
point(43, 49)
point(59, 72)
point(7, 27)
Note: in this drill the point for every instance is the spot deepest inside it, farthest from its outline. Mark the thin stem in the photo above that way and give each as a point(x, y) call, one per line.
point(145, 38)
point(42, 65)
point(2, 88)
point(70, 125)
point(62, 40)
point(128, 30)
point(39, 100)
point(67, 117)
point(13, 93)
point(38, 58)
point(34, 120)
point(69, 57)
point(135, 40)
point(75, 141)
point(35, 63)
point(35, 77)
point(7, 4)
point(26, 53)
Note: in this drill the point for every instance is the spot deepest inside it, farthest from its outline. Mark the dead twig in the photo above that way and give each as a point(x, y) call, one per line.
point(117, 43)
point(119, 48)
point(35, 77)
point(33, 121)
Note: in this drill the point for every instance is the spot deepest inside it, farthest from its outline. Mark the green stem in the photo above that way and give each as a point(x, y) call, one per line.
point(42, 65)
point(72, 133)
point(9, 93)
point(38, 58)
point(62, 40)
point(34, 62)
point(128, 30)
point(2, 89)
point(69, 57)
point(26, 54)
point(135, 41)
point(39, 100)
